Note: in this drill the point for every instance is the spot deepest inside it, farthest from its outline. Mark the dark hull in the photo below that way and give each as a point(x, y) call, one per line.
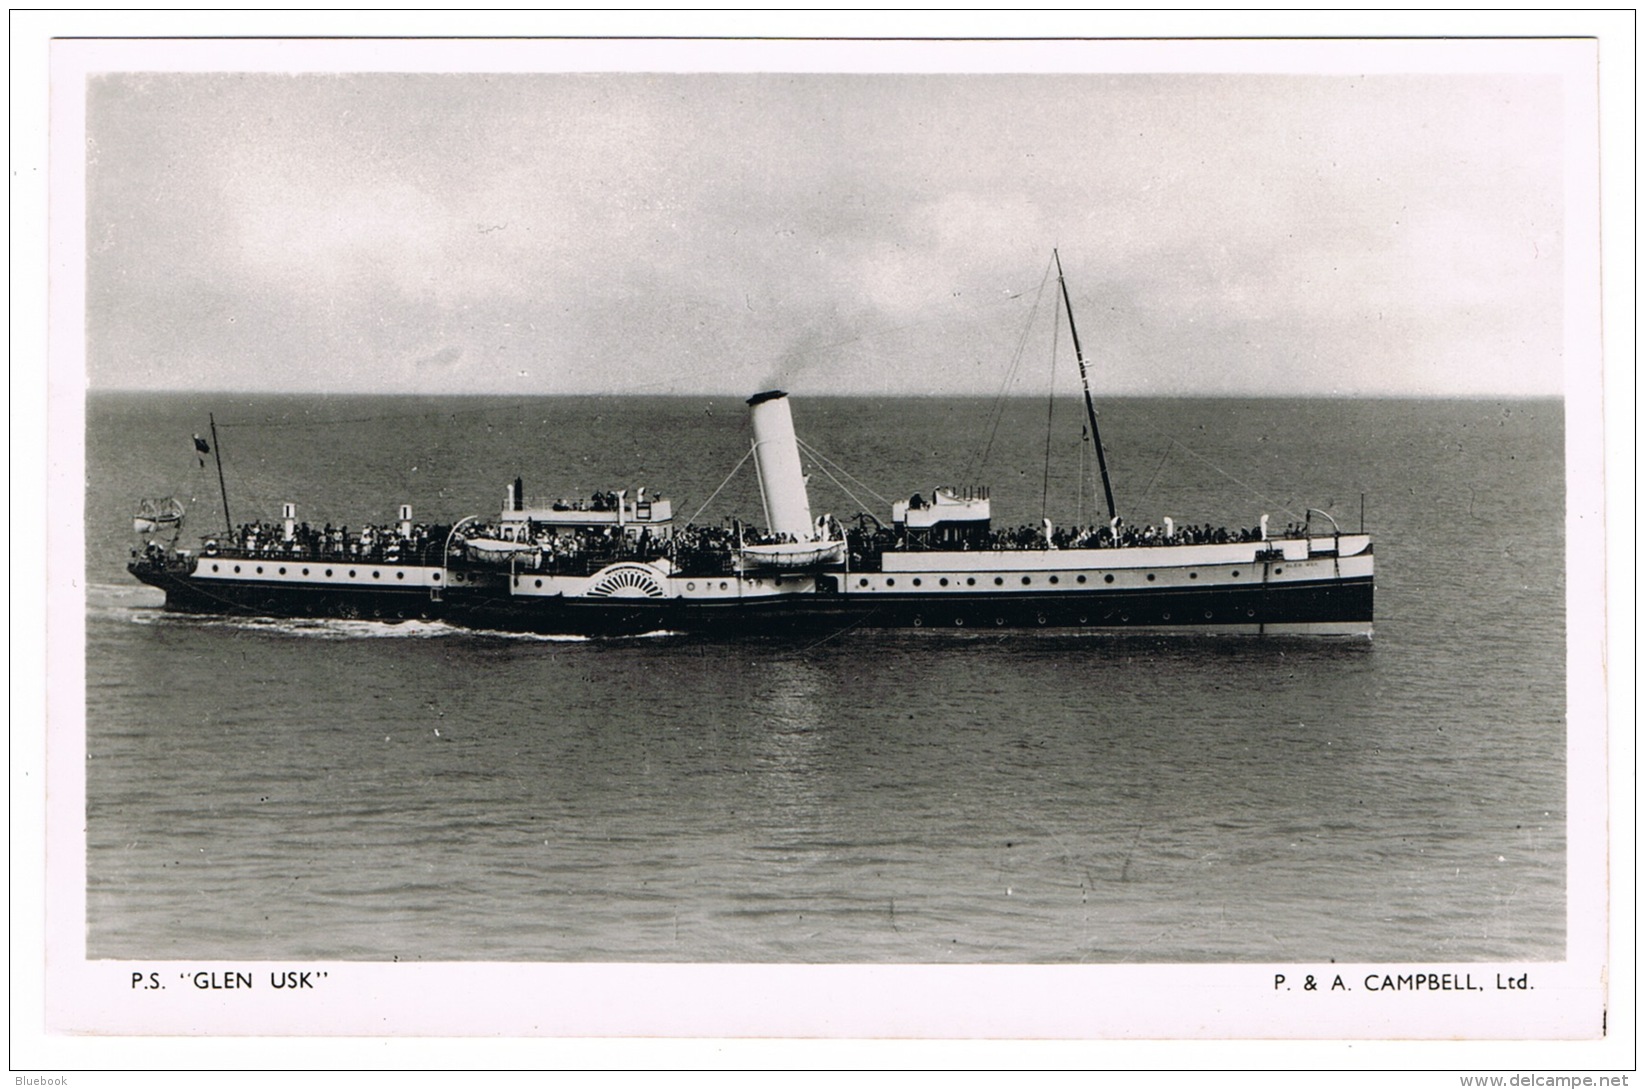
point(1325, 607)
point(1321, 607)
point(186, 594)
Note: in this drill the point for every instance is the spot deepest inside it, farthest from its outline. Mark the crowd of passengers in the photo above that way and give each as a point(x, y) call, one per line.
point(563, 543)
point(379, 544)
point(690, 545)
point(1119, 535)
point(550, 547)
point(599, 501)
point(539, 548)
point(546, 547)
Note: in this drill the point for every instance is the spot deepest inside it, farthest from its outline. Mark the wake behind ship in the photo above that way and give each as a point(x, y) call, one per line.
point(617, 564)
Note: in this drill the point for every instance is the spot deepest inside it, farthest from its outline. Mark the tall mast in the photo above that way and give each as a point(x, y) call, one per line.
point(217, 452)
point(1085, 381)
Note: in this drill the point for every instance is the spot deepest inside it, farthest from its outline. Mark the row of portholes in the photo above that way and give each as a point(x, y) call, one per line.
point(999, 622)
point(329, 573)
point(707, 586)
point(999, 581)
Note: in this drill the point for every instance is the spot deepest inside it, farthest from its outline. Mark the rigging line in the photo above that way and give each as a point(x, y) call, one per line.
point(1186, 449)
point(1050, 414)
point(1079, 486)
point(841, 485)
point(826, 462)
point(815, 453)
point(864, 485)
point(1150, 487)
point(723, 483)
point(996, 412)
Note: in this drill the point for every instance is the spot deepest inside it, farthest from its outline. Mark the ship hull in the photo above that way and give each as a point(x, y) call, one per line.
point(1324, 587)
point(1339, 608)
point(189, 593)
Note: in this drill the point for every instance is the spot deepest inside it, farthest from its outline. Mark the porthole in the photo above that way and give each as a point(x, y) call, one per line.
point(1279, 571)
point(399, 575)
point(1108, 579)
point(1208, 615)
point(959, 622)
point(435, 576)
point(970, 581)
point(1026, 580)
point(1165, 616)
point(1053, 580)
point(1250, 613)
point(328, 573)
point(352, 573)
point(862, 582)
point(1193, 575)
point(998, 582)
point(1236, 575)
point(1079, 578)
point(259, 569)
point(916, 582)
point(890, 582)
point(778, 581)
point(539, 584)
point(282, 571)
point(214, 567)
point(998, 621)
point(693, 586)
point(1040, 618)
point(942, 582)
point(918, 622)
point(376, 575)
point(236, 569)
point(1150, 577)
point(1082, 618)
point(722, 586)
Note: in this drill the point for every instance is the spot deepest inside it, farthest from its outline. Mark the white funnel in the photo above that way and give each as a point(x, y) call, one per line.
point(777, 458)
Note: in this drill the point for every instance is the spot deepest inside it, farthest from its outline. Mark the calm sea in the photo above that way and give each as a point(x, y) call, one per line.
point(350, 790)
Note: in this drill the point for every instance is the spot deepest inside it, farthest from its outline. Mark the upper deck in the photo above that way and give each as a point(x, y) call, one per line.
point(1131, 556)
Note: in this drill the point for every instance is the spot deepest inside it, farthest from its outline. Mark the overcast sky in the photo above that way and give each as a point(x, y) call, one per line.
point(719, 234)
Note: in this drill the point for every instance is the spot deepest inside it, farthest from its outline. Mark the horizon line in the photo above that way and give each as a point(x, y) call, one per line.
point(1293, 396)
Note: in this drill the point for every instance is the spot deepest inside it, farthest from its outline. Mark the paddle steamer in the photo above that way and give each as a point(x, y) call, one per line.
point(618, 565)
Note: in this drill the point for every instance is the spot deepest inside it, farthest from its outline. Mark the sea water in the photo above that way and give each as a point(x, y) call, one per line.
point(278, 789)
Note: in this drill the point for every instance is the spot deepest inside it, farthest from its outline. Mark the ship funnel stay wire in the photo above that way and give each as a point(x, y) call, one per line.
point(720, 489)
point(811, 450)
point(842, 487)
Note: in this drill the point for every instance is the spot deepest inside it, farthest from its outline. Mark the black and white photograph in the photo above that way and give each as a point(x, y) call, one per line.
point(1074, 539)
